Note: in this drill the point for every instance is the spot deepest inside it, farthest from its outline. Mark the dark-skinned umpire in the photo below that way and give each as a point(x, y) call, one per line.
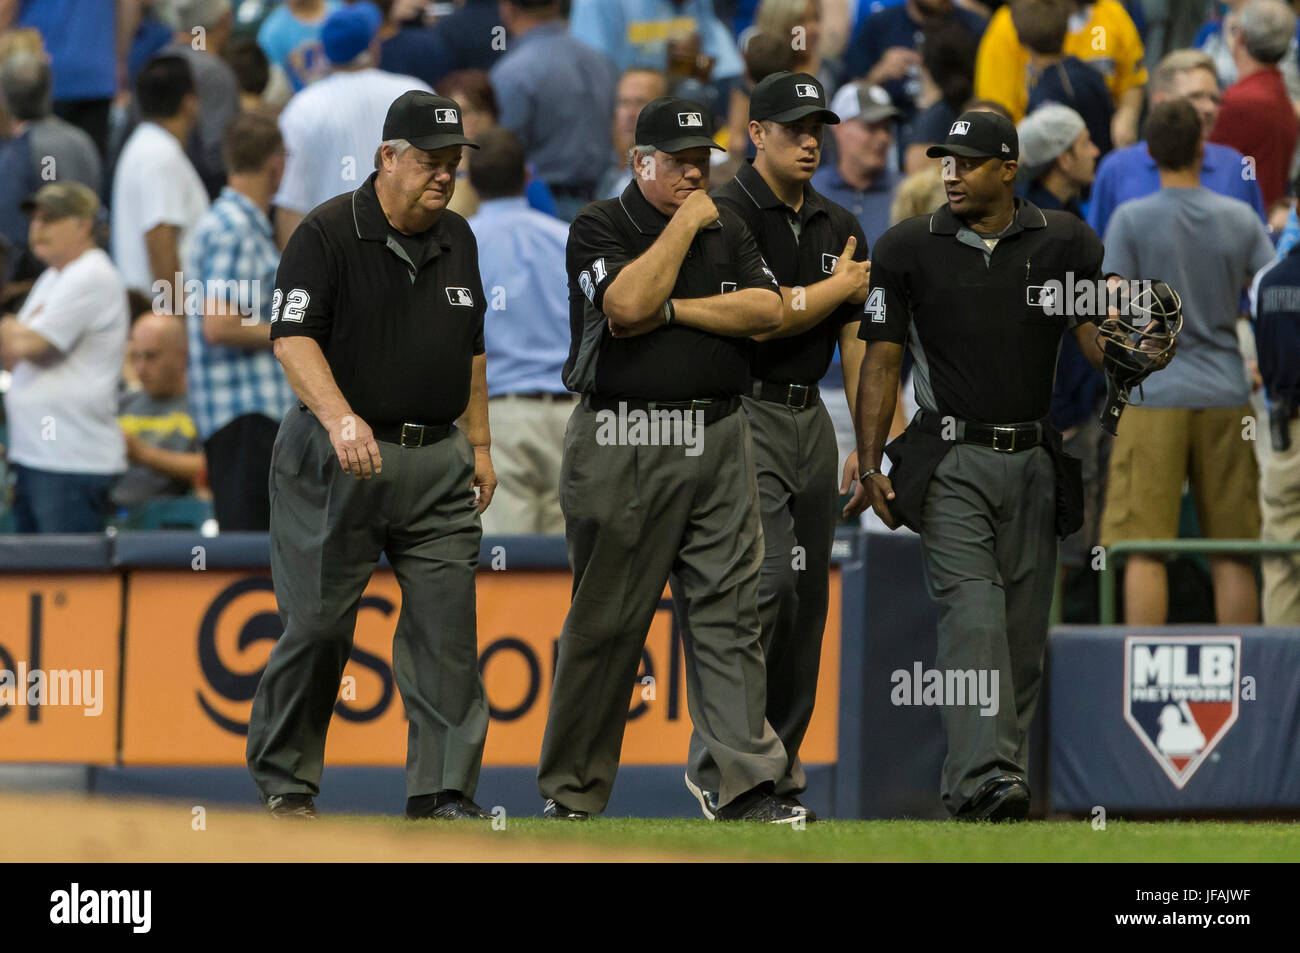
point(817, 250)
point(377, 317)
point(665, 291)
point(979, 472)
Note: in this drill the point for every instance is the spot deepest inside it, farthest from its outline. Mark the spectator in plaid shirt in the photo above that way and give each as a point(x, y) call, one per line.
point(238, 391)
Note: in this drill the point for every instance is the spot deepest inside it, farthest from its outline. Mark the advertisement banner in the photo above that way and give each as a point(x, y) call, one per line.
point(59, 667)
point(197, 643)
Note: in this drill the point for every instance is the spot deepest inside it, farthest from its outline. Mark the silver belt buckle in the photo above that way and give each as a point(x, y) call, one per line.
point(789, 396)
point(1010, 433)
point(700, 405)
point(419, 438)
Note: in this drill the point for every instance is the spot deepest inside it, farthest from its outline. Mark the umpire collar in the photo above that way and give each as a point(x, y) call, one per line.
point(372, 224)
point(760, 193)
point(1028, 215)
point(648, 219)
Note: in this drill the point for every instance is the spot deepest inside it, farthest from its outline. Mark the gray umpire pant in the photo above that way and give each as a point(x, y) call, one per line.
point(988, 537)
point(797, 462)
point(634, 515)
point(328, 529)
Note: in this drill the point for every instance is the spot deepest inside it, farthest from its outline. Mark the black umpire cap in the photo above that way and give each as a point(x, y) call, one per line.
point(673, 125)
point(978, 134)
point(426, 121)
point(787, 97)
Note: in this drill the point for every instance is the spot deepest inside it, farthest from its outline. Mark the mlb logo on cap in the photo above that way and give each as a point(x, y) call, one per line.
point(959, 129)
point(445, 115)
point(807, 90)
point(690, 119)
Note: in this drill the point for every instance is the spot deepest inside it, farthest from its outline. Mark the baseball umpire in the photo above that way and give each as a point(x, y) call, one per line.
point(377, 317)
point(980, 472)
point(818, 251)
point(665, 290)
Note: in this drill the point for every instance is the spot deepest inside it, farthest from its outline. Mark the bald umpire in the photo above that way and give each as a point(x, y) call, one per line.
point(980, 473)
point(665, 290)
point(377, 317)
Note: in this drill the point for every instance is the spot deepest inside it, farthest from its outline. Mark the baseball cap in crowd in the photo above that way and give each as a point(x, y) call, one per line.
point(1047, 132)
point(788, 97)
point(978, 134)
point(63, 200)
point(672, 125)
point(863, 101)
point(426, 121)
point(347, 31)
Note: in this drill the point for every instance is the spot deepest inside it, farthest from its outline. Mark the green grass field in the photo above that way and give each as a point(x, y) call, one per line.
point(1065, 841)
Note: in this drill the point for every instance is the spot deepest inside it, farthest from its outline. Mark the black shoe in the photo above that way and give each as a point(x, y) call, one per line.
point(556, 811)
point(1003, 798)
point(444, 806)
point(762, 806)
point(708, 799)
point(291, 805)
point(790, 799)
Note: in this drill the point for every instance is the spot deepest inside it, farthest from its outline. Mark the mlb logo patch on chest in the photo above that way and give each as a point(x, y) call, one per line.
point(460, 297)
point(1181, 697)
point(829, 262)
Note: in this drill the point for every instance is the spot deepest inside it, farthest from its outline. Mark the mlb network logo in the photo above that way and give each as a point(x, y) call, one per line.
point(959, 129)
point(690, 119)
point(806, 90)
point(445, 115)
point(1180, 697)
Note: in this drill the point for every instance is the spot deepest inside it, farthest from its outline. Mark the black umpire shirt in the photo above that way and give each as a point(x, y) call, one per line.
point(398, 317)
point(798, 261)
point(983, 341)
point(670, 363)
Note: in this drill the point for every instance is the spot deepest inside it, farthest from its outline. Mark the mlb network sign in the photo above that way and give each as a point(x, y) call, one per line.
point(1181, 697)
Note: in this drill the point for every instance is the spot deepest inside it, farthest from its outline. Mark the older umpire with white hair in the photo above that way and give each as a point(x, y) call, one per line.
point(377, 317)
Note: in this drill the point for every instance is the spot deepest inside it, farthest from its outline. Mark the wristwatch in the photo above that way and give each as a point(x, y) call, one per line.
point(862, 477)
point(669, 311)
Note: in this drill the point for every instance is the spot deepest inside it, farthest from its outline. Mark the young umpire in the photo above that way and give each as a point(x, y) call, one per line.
point(979, 472)
point(818, 252)
point(377, 317)
point(665, 290)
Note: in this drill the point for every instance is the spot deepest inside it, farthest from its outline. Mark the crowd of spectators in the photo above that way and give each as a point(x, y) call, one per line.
point(155, 155)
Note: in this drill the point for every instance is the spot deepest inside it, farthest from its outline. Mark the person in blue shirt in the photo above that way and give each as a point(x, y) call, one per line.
point(556, 94)
point(1131, 173)
point(461, 40)
point(862, 179)
point(1057, 78)
point(885, 50)
point(526, 332)
point(1275, 314)
point(80, 37)
point(637, 32)
point(290, 38)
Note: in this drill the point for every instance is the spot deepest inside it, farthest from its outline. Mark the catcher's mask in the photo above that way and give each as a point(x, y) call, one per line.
point(1137, 338)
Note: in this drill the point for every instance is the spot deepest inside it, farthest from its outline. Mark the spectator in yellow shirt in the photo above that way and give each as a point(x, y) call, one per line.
point(1101, 34)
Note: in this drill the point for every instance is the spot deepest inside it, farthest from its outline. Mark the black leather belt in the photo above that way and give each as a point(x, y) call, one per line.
point(407, 434)
point(540, 395)
point(714, 409)
point(796, 396)
point(1006, 438)
point(411, 435)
